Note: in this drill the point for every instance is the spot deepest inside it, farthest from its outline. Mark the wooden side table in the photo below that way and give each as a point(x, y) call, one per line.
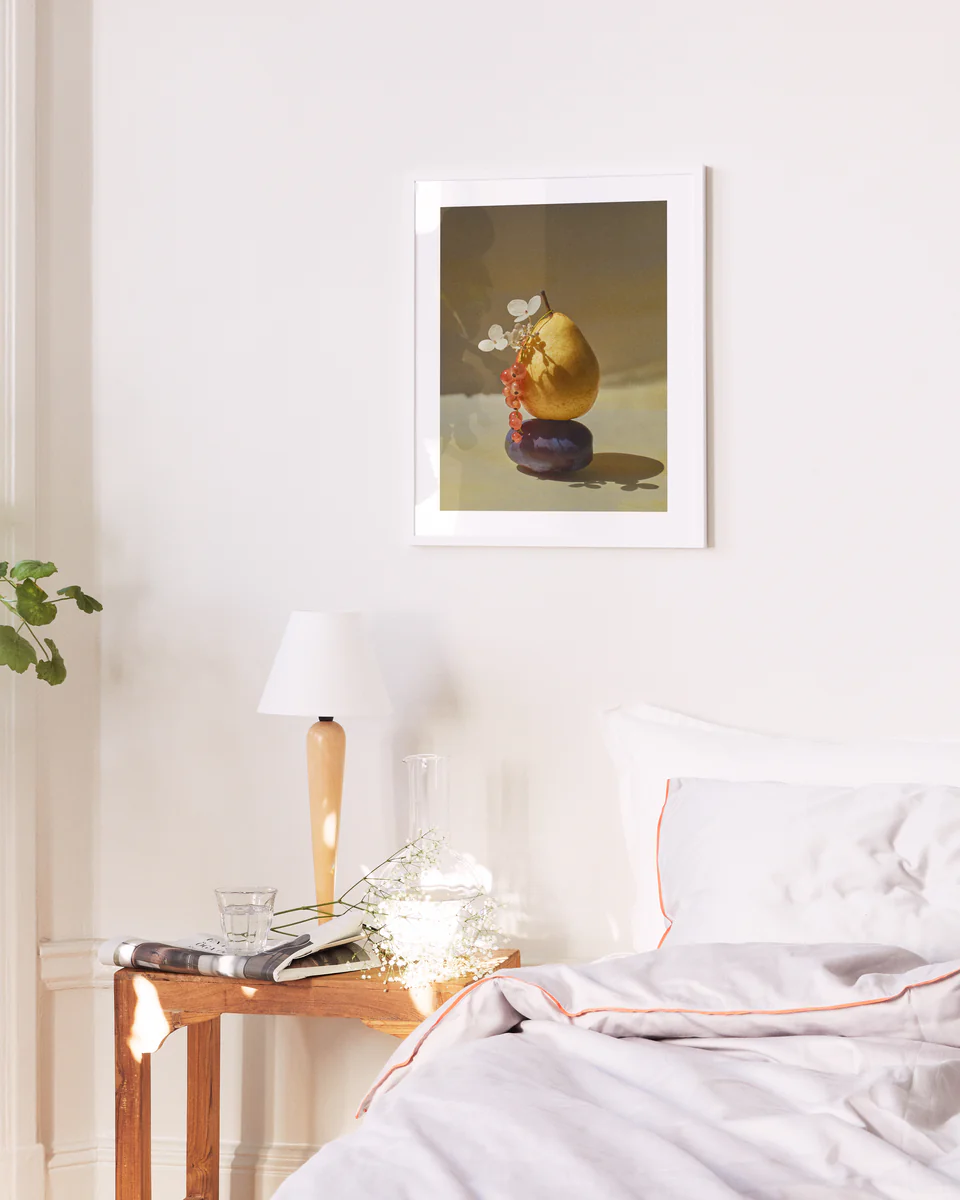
point(150, 1005)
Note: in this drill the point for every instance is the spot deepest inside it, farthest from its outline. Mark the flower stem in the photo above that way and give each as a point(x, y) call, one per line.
point(26, 625)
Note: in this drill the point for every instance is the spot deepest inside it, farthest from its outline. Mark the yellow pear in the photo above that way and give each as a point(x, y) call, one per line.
point(563, 375)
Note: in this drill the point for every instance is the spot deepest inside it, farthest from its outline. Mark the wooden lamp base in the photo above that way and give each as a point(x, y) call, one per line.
point(326, 750)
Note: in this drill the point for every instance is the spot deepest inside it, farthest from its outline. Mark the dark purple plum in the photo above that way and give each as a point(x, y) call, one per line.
point(551, 447)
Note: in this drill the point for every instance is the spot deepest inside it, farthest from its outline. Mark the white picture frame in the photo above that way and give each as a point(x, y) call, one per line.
point(683, 523)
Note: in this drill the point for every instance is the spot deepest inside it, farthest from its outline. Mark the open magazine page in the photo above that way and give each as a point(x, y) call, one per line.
point(300, 961)
point(161, 956)
point(329, 948)
point(352, 956)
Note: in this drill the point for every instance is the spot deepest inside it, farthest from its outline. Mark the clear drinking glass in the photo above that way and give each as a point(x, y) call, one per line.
point(246, 915)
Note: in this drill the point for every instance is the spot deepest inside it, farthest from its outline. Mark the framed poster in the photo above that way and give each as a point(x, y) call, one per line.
point(560, 361)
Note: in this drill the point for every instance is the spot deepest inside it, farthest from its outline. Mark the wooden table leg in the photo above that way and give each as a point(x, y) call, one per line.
point(203, 1110)
point(132, 1099)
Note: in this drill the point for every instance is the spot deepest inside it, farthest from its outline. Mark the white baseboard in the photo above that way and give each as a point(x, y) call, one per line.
point(21, 1168)
point(73, 1175)
point(86, 1172)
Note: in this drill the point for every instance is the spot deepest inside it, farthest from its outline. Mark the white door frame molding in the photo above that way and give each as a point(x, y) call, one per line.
point(21, 1155)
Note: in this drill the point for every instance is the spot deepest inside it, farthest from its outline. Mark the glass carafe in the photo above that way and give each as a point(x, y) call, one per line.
point(431, 903)
point(429, 806)
point(450, 876)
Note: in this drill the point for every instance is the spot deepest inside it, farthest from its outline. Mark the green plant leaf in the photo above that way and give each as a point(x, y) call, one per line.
point(3, 569)
point(85, 603)
point(52, 670)
point(32, 568)
point(15, 651)
point(32, 604)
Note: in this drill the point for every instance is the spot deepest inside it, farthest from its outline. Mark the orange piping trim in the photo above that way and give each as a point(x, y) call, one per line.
point(659, 887)
point(413, 1053)
point(696, 1012)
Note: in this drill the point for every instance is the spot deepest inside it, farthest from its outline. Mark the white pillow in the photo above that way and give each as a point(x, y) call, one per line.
point(781, 862)
point(650, 745)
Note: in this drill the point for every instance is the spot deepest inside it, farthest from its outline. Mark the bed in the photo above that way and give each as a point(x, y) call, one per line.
point(795, 1035)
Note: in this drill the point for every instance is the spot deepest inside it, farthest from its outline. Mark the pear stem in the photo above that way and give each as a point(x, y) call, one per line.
point(546, 302)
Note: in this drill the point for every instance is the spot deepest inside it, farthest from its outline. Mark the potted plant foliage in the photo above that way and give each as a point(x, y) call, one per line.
point(32, 608)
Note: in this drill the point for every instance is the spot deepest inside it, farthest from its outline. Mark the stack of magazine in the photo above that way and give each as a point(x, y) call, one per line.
point(330, 948)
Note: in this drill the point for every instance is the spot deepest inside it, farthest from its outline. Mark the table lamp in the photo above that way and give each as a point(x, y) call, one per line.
point(325, 665)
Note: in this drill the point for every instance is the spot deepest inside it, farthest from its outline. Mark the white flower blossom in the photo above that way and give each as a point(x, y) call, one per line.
point(521, 309)
point(496, 339)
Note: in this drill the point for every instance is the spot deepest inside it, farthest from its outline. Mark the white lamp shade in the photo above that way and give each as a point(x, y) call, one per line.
point(325, 667)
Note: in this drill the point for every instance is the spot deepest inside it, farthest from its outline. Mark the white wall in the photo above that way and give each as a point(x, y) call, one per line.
point(245, 403)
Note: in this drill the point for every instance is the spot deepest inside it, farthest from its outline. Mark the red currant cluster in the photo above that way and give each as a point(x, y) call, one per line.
point(512, 379)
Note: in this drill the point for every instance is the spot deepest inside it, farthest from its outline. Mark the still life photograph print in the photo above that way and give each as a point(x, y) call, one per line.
point(560, 361)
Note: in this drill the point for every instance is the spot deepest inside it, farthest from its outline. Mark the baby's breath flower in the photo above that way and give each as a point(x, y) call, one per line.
point(418, 937)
